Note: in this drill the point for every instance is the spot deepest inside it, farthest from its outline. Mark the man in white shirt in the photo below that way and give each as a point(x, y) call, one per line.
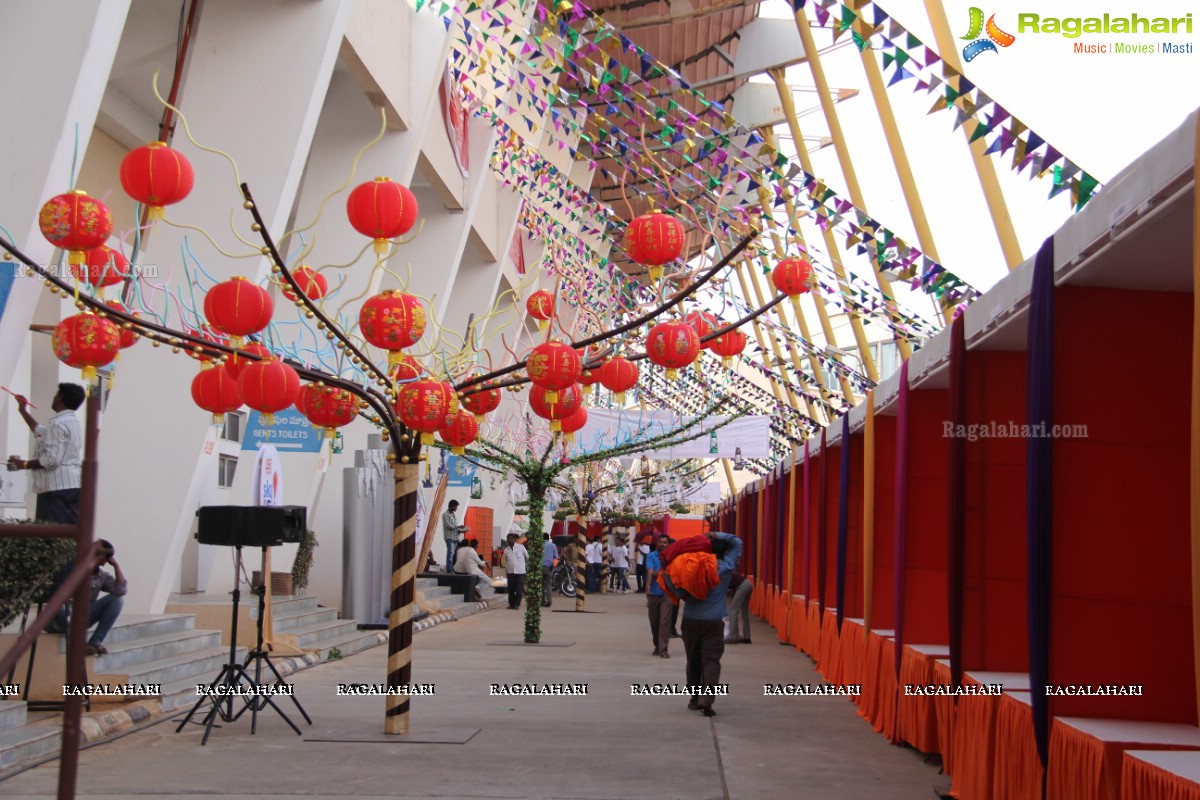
point(57, 456)
point(594, 553)
point(620, 561)
point(643, 550)
point(515, 559)
point(468, 562)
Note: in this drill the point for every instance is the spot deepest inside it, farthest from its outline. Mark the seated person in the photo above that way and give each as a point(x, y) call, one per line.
point(468, 562)
point(102, 612)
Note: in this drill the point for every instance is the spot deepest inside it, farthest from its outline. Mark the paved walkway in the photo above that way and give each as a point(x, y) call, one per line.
point(607, 745)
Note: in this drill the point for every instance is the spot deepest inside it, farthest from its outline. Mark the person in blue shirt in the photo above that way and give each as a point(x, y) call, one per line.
point(549, 556)
point(703, 625)
point(658, 606)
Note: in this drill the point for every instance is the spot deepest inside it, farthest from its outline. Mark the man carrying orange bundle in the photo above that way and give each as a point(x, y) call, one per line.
point(703, 626)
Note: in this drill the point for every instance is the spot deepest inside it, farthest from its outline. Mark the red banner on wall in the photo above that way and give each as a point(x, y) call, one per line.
point(455, 115)
point(516, 251)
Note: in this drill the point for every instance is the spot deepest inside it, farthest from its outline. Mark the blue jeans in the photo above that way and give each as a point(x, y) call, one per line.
point(622, 581)
point(103, 614)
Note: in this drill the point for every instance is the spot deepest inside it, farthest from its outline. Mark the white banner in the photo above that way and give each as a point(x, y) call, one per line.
point(268, 480)
point(748, 437)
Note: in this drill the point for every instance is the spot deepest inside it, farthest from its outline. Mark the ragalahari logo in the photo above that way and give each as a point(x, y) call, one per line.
point(995, 36)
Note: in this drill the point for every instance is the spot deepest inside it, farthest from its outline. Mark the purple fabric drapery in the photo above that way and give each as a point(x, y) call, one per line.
point(956, 498)
point(806, 528)
point(843, 520)
point(822, 523)
point(901, 519)
point(782, 531)
point(1039, 488)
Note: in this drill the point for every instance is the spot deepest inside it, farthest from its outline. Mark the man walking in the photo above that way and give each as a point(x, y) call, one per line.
point(549, 557)
point(451, 532)
point(515, 559)
point(620, 562)
point(658, 607)
point(740, 589)
point(57, 456)
point(703, 628)
point(643, 550)
point(595, 555)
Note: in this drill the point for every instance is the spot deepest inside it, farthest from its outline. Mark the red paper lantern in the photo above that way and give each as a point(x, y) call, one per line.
point(238, 308)
point(459, 432)
point(302, 396)
point(703, 323)
point(568, 400)
point(589, 377)
point(268, 386)
point(328, 407)
point(312, 284)
point(654, 239)
point(672, 345)
point(235, 363)
point(381, 209)
point(405, 368)
point(792, 276)
point(481, 403)
point(540, 306)
point(217, 392)
point(728, 345)
point(129, 337)
point(619, 375)
point(425, 405)
point(102, 267)
point(156, 176)
point(574, 423)
point(86, 341)
point(392, 320)
point(76, 223)
point(553, 366)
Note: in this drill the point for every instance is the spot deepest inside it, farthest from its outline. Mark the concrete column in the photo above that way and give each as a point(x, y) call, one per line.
point(256, 82)
point(57, 66)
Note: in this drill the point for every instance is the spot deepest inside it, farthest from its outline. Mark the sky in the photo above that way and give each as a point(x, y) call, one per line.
point(1102, 111)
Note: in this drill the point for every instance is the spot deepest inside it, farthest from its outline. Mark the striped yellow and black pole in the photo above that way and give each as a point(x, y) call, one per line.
point(406, 476)
point(580, 565)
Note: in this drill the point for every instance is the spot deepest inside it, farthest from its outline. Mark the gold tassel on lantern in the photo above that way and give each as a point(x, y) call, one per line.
point(267, 419)
point(656, 274)
point(381, 247)
point(672, 374)
point(90, 376)
point(458, 451)
point(555, 425)
point(427, 439)
point(543, 324)
point(619, 398)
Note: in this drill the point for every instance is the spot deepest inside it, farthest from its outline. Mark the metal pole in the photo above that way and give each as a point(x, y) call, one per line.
point(891, 132)
point(835, 258)
point(76, 667)
point(984, 167)
point(843, 154)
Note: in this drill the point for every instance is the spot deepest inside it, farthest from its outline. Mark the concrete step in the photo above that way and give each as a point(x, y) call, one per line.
point(285, 604)
point(311, 637)
point(435, 592)
point(130, 653)
point(137, 626)
point(303, 618)
point(12, 714)
point(352, 642)
point(30, 741)
point(200, 664)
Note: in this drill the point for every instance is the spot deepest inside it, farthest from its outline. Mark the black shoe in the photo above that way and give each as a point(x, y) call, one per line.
point(54, 627)
point(694, 705)
point(675, 635)
point(707, 711)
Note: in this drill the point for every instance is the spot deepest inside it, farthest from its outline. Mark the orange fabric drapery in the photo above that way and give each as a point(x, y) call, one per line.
point(916, 719)
point(1018, 772)
point(1168, 775)
point(1086, 755)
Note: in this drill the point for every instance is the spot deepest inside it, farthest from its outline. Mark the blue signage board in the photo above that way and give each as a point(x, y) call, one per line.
point(459, 471)
point(8, 270)
point(291, 432)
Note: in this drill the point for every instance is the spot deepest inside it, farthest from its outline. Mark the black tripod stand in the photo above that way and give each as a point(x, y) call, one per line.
point(234, 681)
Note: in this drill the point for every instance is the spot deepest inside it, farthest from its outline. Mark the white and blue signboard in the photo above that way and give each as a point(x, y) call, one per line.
point(459, 471)
point(290, 433)
point(8, 271)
